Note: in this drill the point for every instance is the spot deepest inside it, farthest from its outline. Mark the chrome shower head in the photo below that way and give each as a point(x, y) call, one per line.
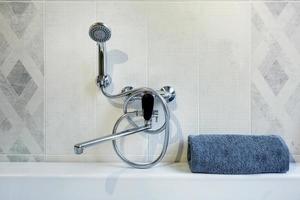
point(100, 32)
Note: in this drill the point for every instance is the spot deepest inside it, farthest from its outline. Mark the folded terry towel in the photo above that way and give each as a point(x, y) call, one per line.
point(237, 154)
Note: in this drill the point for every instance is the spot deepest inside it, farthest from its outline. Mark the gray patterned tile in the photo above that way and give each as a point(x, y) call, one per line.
point(274, 76)
point(21, 80)
point(27, 93)
point(18, 15)
point(19, 148)
point(35, 47)
point(256, 20)
point(2, 117)
point(7, 89)
point(293, 105)
point(18, 77)
point(4, 48)
point(263, 120)
point(275, 90)
point(24, 158)
point(38, 118)
point(17, 158)
point(276, 7)
point(5, 125)
point(292, 28)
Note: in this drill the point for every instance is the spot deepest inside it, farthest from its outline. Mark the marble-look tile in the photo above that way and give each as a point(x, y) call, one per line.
point(19, 147)
point(293, 105)
point(4, 48)
point(70, 76)
point(21, 80)
point(275, 76)
point(18, 78)
point(263, 119)
point(276, 8)
point(224, 66)
point(19, 15)
point(275, 70)
point(5, 125)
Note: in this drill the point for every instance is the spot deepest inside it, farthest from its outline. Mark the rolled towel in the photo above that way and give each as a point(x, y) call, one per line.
point(237, 154)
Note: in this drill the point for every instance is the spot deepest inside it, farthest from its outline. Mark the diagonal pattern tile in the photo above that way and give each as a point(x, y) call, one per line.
point(275, 76)
point(292, 28)
point(264, 119)
point(19, 15)
point(18, 78)
point(18, 147)
point(275, 89)
point(21, 80)
point(5, 125)
point(4, 48)
point(35, 49)
point(276, 7)
point(293, 105)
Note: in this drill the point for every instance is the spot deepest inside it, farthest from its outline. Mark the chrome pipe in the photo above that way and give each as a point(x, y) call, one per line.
point(167, 92)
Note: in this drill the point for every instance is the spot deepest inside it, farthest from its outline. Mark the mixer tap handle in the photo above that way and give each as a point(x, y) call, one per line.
point(147, 105)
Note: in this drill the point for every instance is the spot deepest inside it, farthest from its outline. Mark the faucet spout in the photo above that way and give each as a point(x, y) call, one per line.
point(78, 148)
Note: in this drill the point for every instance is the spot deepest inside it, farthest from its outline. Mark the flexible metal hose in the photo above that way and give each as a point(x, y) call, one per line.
point(131, 95)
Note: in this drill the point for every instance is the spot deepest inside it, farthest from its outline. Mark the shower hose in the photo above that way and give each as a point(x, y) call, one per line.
point(132, 95)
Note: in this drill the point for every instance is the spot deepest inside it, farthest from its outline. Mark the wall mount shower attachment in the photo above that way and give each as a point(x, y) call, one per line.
point(100, 33)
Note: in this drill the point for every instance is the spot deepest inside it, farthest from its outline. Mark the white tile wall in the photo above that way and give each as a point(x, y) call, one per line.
point(224, 67)
point(172, 59)
point(201, 48)
point(70, 76)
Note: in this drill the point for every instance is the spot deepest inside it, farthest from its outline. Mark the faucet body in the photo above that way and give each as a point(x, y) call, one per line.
point(100, 33)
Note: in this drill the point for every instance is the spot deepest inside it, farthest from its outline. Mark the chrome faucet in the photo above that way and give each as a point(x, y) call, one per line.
point(100, 33)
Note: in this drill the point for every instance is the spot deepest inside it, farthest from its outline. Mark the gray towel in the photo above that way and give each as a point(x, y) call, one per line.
point(237, 154)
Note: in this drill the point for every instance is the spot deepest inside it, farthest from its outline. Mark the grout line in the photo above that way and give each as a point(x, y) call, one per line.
point(198, 77)
point(250, 67)
point(45, 95)
point(95, 71)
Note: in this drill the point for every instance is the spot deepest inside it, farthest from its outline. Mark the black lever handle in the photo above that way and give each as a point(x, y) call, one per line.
point(147, 105)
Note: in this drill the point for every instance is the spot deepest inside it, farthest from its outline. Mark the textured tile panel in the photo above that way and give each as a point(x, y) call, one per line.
point(275, 70)
point(21, 79)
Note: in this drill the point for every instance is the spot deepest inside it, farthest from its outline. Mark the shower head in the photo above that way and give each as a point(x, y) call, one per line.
point(100, 32)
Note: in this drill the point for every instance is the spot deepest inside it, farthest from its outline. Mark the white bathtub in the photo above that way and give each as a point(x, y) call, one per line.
point(89, 181)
